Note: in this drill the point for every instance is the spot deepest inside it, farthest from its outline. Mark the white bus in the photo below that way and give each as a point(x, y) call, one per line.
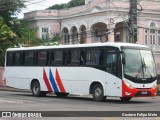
point(102, 69)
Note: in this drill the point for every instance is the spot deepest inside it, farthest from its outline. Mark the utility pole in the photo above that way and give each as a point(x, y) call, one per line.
point(133, 21)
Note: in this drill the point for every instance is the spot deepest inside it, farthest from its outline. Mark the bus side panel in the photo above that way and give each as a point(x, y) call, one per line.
point(77, 80)
point(113, 85)
point(15, 77)
point(21, 77)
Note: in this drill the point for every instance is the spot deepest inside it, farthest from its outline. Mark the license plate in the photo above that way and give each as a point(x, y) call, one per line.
point(144, 93)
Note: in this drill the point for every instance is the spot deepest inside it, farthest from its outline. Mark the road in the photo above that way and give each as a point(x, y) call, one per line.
point(24, 101)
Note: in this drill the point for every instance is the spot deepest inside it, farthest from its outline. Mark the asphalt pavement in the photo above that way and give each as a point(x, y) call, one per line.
point(2, 88)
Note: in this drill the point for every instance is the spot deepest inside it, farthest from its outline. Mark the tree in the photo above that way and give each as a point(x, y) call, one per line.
point(10, 8)
point(58, 6)
point(55, 40)
point(6, 37)
point(27, 36)
point(72, 3)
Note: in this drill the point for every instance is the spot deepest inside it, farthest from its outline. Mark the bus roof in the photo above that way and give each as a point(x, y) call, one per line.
point(118, 45)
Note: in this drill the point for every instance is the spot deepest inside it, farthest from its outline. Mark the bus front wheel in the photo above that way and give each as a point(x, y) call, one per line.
point(98, 93)
point(36, 90)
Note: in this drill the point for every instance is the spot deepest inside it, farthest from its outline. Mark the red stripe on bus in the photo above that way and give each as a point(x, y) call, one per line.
point(59, 82)
point(46, 81)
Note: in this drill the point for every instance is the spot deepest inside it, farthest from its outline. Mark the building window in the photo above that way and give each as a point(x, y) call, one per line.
point(152, 40)
point(152, 25)
point(152, 37)
point(158, 40)
point(146, 31)
point(66, 38)
point(45, 33)
point(152, 31)
point(146, 39)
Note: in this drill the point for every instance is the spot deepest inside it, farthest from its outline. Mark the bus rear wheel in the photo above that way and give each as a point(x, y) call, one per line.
point(61, 94)
point(36, 90)
point(98, 93)
point(125, 99)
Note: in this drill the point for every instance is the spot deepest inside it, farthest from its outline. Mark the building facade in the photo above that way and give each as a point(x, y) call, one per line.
point(100, 21)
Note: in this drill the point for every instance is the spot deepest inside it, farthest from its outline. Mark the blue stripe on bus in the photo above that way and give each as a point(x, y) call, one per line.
point(52, 80)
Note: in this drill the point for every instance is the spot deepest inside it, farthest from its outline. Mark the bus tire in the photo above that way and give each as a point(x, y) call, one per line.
point(98, 93)
point(61, 94)
point(125, 99)
point(36, 90)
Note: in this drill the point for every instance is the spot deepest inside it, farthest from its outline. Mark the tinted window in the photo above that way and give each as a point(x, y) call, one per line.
point(94, 57)
point(29, 58)
point(112, 63)
point(58, 58)
point(42, 58)
point(17, 58)
point(75, 57)
point(10, 58)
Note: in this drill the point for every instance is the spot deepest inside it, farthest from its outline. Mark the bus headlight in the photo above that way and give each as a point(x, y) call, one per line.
point(155, 85)
point(129, 85)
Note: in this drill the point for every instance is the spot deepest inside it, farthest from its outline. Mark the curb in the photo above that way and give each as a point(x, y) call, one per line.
point(13, 89)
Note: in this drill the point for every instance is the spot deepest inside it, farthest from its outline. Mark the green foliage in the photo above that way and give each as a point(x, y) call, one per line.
point(72, 3)
point(27, 36)
point(8, 29)
point(55, 40)
point(5, 32)
point(10, 8)
point(6, 39)
point(58, 7)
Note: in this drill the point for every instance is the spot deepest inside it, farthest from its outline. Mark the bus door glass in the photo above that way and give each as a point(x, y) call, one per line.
point(113, 63)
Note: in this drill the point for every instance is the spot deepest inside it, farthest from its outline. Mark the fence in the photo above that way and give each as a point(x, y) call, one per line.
point(2, 81)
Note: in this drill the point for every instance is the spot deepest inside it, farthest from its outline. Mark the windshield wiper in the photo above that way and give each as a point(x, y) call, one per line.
point(145, 66)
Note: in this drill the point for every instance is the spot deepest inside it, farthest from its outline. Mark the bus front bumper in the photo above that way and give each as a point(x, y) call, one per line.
point(137, 92)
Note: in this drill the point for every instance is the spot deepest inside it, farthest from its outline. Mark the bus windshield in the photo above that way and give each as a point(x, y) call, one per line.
point(139, 64)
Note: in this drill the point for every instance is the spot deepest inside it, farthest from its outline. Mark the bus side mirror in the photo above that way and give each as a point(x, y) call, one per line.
point(123, 57)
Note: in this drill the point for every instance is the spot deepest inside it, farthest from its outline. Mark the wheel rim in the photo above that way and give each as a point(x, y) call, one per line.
point(36, 89)
point(98, 92)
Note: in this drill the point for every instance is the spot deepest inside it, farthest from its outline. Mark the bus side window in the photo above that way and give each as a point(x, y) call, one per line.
point(82, 58)
point(10, 58)
point(58, 56)
point(42, 58)
point(69, 58)
point(29, 58)
point(75, 57)
point(94, 57)
point(51, 58)
point(64, 58)
point(17, 58)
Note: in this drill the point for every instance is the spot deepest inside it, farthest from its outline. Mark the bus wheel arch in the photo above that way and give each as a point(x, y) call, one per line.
point(97, 91)
point(36, 89)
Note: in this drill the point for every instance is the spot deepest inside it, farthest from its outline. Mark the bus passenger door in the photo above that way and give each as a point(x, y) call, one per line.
point(113, 74)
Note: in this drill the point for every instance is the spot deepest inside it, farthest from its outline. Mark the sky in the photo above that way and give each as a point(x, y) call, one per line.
point(39, 5)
